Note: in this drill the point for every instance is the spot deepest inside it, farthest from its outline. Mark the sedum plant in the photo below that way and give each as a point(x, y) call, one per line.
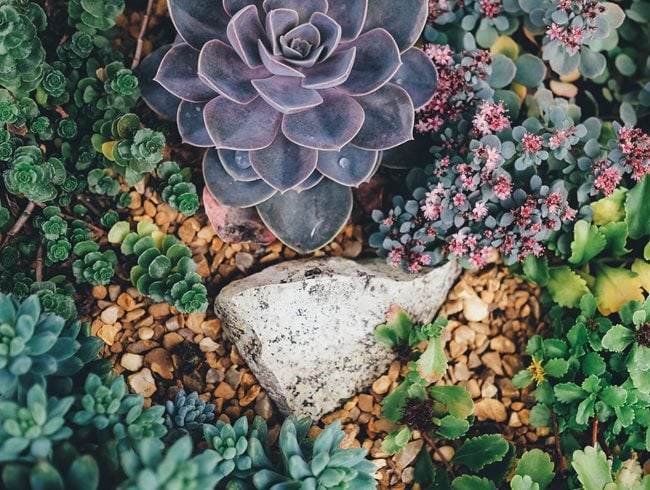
point(165, 270)
point(148, 465)
point(92, 16)
point(595, 472)
point(416, 405)
point(31, 426)
point(187, 413)
point(585, 375)
point(34, 345)
point(179, 191)
point(92, 266)
point(292, 100)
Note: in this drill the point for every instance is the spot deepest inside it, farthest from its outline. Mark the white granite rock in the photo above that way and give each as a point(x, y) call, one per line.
point(306, 328)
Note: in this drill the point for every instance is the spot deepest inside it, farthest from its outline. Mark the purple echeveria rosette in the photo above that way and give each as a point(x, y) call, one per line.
point(294, 99)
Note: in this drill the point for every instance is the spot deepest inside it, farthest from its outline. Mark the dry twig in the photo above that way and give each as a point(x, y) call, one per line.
point(143, 31)
point(20, 222)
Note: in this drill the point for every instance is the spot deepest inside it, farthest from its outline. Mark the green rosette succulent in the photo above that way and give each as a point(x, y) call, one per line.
point(94, 15)
point(165, 270)
point(34, 345)
point(21, 52)
point(101, 183)
point(32, 177)
point(140, 423)
point(54, 299)
point(187, 413)
point(31, 426)
point(54, 226)
point(92, 266)
point(148, 467)
point(231, 445)
point(323, 466)
point(178, 192)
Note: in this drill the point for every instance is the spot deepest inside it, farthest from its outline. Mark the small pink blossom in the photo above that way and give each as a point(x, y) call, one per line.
point(532, 143)
point(608, 180)
point(491, 118)
point(480, 211)
point(502, 187)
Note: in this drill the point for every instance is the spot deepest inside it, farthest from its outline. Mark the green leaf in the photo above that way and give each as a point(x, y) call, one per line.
point(614, 396)
point(519, 482)
point(396, 441)
point(538, 466)
point(45, 477)
point(425, 472)
point(477, 452)
point(118, 232)
point(392, 406)
point(593, 364)
point(616, 286)
point(456, 398)
point(593, 469)
point(587, 243)
point(432, 364)
point(618, 338)
point(566, 287)
point(467, 482)
point(536, 269)
point(569, 392)
point(530, 70)
point(616, 235)
point(556, 368)
point(451, 427)
point(523, 378)
point(503, 72)
point(642, 268)
point(610, 209)
point(637, 207)
point(540, 416)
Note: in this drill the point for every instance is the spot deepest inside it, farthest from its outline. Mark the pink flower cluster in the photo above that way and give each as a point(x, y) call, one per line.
point(634, 146)
point(532, 143)
point(412, 258)
point(455, 95)
point(571, 34)
point(490, 8)
point(491, 118)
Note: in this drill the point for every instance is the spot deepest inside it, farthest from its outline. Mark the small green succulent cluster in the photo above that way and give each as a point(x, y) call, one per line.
point(94, 15)
point(59, 237)
point(415, 405)
point(92, 266)
point(165, 270)
point(55, 297)
point(178, 191)
point(22, 54)
point(187, 413)
point(134, 151)
point(34, 177)
point(34, 345)
point(593, 369)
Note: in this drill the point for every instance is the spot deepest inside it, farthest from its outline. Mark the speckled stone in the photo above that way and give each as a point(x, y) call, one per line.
point(306, 327)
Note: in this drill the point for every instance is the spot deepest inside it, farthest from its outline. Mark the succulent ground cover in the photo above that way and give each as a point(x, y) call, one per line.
point(530, 122)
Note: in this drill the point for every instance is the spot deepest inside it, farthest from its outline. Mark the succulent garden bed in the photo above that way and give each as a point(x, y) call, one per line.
point(155, 152)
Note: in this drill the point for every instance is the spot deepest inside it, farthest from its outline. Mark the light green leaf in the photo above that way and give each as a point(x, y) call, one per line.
point(467, 482)
point(432, 364)
point(556, 368)
point(637, 207)
point(566, 287)
point(616, 235)
point(587, 243)
point(616, 286)
point(593, 469)
point(538, 466)
point(456, 398)
point(618, 338)
point(569, 392)
point(396, 441)
point(478, 452)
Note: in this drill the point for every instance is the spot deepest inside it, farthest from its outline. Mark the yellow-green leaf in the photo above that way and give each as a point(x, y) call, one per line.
point(642, 268)
point(615, 287)
point(506, 46)
point(610, 208)
point(566, 287)
point(587, 243)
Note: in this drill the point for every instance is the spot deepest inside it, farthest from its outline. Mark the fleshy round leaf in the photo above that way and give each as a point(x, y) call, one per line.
point(503, 72)
point(312, 181)
point(405, 23)
point(244, 30)
point(238, 165)
point(305, 8)
point(377, 60)
point(530, 70)
point(231, 192)
point(283, 164)
point(330, 34)
point(329, 126)
point(276, 66)
point(278, 22)
point(178, 73)
point(417, 76)
point(198, 22)
point(332, 72)
point(241, 127)
point(234, 6)
point(386, 125)
point(222, 69)
point(307, 221)
point(350, 15)
point(191, 124)
point(351, 166)
point(160, 100)
point(286, 94)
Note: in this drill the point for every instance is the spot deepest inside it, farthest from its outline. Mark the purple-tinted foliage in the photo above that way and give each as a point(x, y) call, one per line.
point(297, 98)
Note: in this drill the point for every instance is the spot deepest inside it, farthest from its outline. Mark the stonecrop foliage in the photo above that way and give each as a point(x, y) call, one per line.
point(71, 148)
point(68, 422)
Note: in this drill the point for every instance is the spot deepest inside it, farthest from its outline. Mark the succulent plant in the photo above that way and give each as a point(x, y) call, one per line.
point(179, 192)
point(231, 444)
point(30, 426)
point(149, 466)
point(92, 266)
point(165, 270)
point(21, 61)
point(324, 466)
point(94, 15)
point(54, 299)
point(296, 101)
point(35, 345)
point(29, 175)
point(187, 413)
